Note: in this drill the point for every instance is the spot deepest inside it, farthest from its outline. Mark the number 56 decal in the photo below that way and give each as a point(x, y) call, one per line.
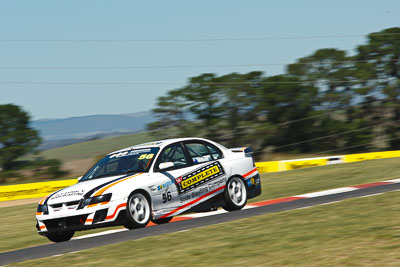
point(146, 156)
point(167, 196)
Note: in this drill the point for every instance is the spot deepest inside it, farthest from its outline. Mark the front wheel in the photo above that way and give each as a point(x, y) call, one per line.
point(61, 236)
point(137, 211)
point(235, 194)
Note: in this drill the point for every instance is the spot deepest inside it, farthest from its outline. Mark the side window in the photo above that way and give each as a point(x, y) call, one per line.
point(199, 152)
point(175, 154)
point(215, 152)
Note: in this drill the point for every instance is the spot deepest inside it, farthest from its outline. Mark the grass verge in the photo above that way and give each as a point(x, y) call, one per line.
point(18, 223)
point(356, 232)
point(95, 148)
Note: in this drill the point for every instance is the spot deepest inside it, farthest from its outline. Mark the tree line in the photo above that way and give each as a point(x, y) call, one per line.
point(327, 101)
point(17, 139)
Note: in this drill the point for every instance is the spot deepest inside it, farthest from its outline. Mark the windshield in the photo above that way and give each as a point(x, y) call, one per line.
point(129, 161)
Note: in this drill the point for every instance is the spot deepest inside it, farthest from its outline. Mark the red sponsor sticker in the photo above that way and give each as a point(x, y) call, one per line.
point(178, 180)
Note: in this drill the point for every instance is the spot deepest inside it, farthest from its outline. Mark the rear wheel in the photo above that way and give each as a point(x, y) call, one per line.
point(61, 236)
point(162, 221)
point(235, 194)
point(137, 211)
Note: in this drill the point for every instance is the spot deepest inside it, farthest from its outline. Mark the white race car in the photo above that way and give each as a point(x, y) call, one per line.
point(151, 182)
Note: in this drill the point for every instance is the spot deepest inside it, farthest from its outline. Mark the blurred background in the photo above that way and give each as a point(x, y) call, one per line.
point(290, 79)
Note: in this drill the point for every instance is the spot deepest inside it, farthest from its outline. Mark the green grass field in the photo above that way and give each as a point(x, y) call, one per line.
point(96, 147)
point(18, 224)
point(355, 232)
point(78, 158)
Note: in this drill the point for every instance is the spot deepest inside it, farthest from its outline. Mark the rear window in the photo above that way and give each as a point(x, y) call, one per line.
point(202, 152)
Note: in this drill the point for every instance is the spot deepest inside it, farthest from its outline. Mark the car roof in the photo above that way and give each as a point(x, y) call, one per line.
point(160, 144)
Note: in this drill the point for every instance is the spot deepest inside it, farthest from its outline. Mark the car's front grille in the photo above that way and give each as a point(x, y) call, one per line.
point(72, 203)
point(68, 205)
point(56, 206)
point(64, 223)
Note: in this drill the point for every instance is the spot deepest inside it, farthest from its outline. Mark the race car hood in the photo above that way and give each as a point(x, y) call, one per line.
point(77, 191)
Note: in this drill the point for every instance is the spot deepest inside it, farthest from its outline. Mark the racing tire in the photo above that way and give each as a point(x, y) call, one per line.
point(162, 221)
point(60, 236)
point(235, 194)
point(138, 211)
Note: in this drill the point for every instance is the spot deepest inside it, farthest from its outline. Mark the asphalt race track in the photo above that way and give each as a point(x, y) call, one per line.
point(80, 244)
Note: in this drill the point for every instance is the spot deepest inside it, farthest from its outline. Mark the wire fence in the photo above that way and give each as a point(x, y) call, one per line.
point(191, 66)
point(190, 40)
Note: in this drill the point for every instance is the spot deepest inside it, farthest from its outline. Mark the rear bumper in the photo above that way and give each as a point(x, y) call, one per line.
point(253, 186)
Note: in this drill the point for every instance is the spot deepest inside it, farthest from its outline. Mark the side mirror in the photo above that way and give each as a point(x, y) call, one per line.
point(165, 165)
point(79, 178)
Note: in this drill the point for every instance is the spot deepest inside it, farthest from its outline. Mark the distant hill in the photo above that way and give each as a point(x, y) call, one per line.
point(61, 132)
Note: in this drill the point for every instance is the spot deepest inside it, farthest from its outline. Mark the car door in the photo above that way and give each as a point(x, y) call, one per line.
point(196, 171)
point(209, 172)
point(167, 196)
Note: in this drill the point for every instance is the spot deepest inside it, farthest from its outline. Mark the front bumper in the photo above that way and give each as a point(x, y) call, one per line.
point(83, 219)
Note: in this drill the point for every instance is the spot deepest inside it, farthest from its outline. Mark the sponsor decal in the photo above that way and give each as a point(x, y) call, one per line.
point(200, 176)
point(184, 198)
point(202, 159)
point(194, 194)
point(254, 181)
point(251, 181)
point(214, 184)
point(258, 182)
point(68, 194)
point(130, 153)
point(199, 192)
point(151, 144)
point(160, 187)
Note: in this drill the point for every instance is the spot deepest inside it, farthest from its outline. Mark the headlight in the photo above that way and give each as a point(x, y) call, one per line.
point(43, 208)
point(94, 200)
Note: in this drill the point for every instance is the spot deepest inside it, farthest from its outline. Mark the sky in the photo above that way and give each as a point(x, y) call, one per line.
point(160, 20)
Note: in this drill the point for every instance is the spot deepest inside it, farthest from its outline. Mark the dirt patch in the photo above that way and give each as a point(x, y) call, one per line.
point(19, 202)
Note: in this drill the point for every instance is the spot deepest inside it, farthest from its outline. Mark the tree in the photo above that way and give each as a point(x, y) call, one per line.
point(325, 101)
point(382, 77)
point(340, 83)
point(16, 137)
point(171, 112)
point(330, 70)
point(239, 93)
point(282, 98)
point(204, 100)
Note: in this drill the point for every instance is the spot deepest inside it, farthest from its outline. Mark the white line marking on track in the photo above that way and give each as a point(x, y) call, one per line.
point(249, 206)
point(220, 211)
point(57, 255)
point(328, 192)
point(322, 204)
point(372, 195)
point(101, 233)
point(206, 214)
point(393, 181)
